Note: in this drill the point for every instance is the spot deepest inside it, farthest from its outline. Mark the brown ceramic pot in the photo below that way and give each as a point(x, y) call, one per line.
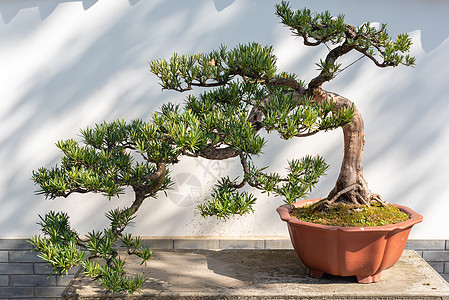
point(348, 251)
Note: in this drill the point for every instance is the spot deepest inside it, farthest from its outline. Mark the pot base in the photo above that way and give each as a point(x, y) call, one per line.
point(368, 278)
point(360, 278)
point(315, 273)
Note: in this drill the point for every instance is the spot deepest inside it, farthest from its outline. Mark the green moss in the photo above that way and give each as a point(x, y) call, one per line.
point(350, 215)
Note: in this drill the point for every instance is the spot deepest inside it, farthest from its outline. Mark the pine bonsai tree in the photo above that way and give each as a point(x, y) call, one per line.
point(220, 123)
point(288, 105)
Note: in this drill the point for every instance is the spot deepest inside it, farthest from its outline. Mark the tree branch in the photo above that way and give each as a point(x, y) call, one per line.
point(66, 194)
point(331, 57)
point(245, 171)
point(142, 191)
point(285, 82)
point(215, 84)
point(160, 171)
point(309, 43)
point(219, 153)
point(376, 62)
point(307, 134)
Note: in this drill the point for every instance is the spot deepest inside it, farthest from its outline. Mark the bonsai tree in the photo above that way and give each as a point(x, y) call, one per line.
point(285, 97)
point(290, 106)
point(248, 95)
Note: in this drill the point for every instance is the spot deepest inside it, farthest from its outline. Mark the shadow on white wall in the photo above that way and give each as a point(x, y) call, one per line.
point(68, 64)
point(12, 8)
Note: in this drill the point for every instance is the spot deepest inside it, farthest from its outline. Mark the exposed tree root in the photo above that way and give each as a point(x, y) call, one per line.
point(355, 194)
point(343, 191)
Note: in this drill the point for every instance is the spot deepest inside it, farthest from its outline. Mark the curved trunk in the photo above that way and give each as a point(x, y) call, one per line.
point(350, 187)
point(143, 191)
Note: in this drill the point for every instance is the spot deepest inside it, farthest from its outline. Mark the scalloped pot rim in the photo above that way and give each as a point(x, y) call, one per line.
point(284, 212)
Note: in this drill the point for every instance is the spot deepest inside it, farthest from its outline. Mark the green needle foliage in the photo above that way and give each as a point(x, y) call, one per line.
point(372, 42)
point(215, 68)
point(248, 95)
point(114, 156)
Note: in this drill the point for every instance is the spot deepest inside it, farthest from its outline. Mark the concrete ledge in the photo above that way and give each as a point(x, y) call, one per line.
point(264, 274)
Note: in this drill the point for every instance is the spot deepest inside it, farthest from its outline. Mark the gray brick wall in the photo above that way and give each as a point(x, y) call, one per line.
point(435, 252)
point(23, 275)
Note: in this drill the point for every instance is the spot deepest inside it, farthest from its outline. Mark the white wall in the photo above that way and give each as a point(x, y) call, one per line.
point(67, 64)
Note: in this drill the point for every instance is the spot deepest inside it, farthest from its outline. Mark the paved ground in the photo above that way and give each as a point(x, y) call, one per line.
point(266, 274)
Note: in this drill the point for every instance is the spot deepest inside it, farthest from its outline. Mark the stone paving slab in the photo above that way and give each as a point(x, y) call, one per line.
point(264, 274)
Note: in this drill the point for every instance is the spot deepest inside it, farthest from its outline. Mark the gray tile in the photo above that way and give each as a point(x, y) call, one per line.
point(445, 276)
point(436, 255)
point(24, 256)
point(278, 244)
point(15, 244)
point(44, 268)
point(425, 245)
point(16, 268)
point(16, 292)
point(446, 268)
point(40, 298)
point(3, 256)
point(4, 280)
point(195, 244)
point(64, 280)
point(74, 270)
point(54, 291)
point(158, 243)
point(437, 266)
point(32, 280)
point(241, 244)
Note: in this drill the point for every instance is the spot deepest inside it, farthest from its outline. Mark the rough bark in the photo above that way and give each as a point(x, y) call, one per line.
point(219, 153)
point(143, 191)
point(351, 187)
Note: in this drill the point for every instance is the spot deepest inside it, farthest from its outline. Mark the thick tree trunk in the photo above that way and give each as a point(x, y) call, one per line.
point(350, 187)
